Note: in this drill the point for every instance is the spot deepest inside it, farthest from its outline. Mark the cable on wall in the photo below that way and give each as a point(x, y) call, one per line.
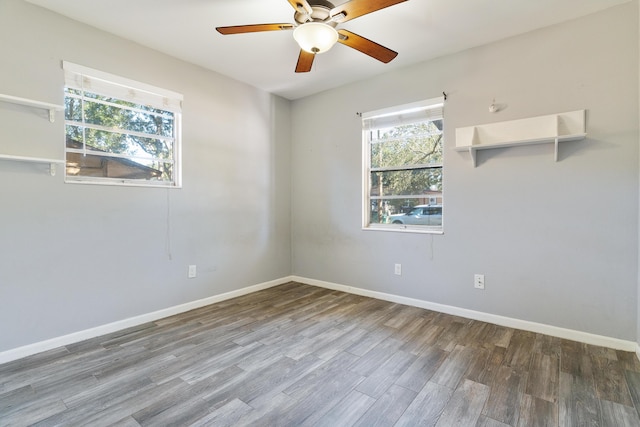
point(167, 243)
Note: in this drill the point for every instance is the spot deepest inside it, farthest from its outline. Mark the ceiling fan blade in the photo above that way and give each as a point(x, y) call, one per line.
point(255, 28)
point(366, 46)
point(355, 8)
point(305, 61)
point(301, 6)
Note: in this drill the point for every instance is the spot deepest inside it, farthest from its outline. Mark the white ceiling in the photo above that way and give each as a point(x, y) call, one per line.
point(418, 29)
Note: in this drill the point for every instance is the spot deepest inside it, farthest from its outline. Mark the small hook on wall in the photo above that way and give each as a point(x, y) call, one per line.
point(494, 108)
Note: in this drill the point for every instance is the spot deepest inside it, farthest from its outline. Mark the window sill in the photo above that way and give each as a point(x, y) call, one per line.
point(403, 229)
point(121, 183)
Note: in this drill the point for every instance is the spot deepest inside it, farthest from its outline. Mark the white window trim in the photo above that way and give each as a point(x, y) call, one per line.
point(71, 68)
point(366, 170)
point(145, 94)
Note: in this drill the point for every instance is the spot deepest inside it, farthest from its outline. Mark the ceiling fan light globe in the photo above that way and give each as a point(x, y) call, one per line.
point(315, 37)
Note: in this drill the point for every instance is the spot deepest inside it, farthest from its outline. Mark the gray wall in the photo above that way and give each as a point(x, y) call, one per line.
point(558, 242)
point(74, 256)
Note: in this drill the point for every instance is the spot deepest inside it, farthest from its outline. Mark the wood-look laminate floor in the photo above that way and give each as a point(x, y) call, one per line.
point(298, 355)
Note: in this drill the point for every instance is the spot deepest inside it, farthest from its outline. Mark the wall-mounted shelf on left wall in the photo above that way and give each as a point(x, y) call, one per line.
point(52, 108)
point(52, 162)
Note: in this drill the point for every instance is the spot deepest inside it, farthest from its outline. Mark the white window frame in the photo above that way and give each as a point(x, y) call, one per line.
point(396, 114)
point(94, 81)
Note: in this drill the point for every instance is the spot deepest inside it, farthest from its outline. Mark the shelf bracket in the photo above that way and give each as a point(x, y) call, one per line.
point(52, 169)
point(557, 140)
point(472, 152)
point(52, 115)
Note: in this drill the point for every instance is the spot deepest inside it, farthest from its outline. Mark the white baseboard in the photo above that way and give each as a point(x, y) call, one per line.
point(75, 337)
point(555, 331)
point(570, 334)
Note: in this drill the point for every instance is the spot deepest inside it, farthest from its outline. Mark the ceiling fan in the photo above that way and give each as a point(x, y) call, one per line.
point(315, 29)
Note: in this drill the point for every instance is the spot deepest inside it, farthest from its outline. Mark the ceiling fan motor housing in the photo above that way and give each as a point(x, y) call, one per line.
point(321, 13)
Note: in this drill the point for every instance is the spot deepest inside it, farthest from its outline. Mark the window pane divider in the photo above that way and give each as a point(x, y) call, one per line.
point(120, 131)
point(122, 107)
point(400, 196)
point(406, 168)
point(404, 138)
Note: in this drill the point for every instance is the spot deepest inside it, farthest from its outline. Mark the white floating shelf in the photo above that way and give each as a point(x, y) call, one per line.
point(553, 128)
point(32, 103)
point(52, 162)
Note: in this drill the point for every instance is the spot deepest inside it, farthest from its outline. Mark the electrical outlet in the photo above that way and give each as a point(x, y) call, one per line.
point(397, 270)
point(192, 272)
point(478, 281)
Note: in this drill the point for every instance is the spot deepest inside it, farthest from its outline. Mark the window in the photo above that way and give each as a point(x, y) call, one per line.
point(119, 131)
point(402, 170)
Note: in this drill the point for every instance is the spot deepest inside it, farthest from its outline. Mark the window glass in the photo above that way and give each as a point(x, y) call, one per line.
point(403, 167)
point(119, 131)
